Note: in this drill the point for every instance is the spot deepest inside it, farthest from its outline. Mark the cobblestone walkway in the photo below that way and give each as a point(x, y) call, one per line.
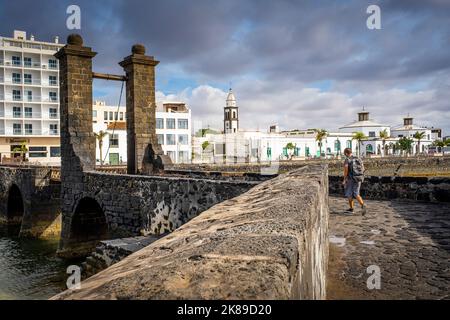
point(408, 241)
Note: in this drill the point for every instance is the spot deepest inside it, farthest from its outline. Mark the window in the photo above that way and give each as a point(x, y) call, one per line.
point(160, 138)
point(121, 116)
point(372, 134)
point(16, 78)
point(170, 123)
point(29, 95)
point(52, 80)
point(17, 96)
point(37, 152)
point(234, 114)
point(183, 124)
point(27, 61)
point(17, 128)
point(28, 128)
point(183, 139)
point(17, 112)
point(52, 96)
point(55, 152)
point(159, 123)
point(28, 112)
point(16, 61)
point(111, 116)
point(183, 156)
point(170, 139)
point(349, 144)
point(116, 116)
point(172, 155)
point(52, 64)
point(337, 146)
point(53, 113)
point(27, 78)
point(105, 115)
point(114, 140)
point(94, 113)
point(53, 129)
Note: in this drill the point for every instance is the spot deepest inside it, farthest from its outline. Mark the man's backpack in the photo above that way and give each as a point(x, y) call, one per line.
point(356, 169)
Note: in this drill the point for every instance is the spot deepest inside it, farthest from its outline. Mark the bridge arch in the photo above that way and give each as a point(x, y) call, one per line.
point(15, 208)
point(89, 222)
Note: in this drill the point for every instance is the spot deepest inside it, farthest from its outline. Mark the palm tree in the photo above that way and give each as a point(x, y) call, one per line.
point(384, 135)
point(441, 144)
point(320, 135)
point(405, 144)
point(419, 136)
point(22, 150)
point(100, 136)
point(290, 146)
point(359, 136)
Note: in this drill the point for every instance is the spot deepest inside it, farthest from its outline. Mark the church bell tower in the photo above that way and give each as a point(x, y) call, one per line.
point(231, 114)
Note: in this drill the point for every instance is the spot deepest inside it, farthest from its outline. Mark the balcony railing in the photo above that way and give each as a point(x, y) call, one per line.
point(50, 99)
point(32, 65)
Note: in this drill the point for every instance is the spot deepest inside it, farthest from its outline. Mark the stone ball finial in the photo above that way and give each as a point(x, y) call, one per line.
point(138, 49)
point(75, 39)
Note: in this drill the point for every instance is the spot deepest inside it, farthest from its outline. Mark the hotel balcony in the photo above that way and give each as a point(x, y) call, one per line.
point(29, 132)
point(32, 65)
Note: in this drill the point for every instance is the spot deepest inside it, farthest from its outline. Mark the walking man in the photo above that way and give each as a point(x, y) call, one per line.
point(353, 178)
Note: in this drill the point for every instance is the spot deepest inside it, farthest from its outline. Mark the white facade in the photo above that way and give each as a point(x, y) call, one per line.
point(173, 129)
point(257, 146)
point(29, 98)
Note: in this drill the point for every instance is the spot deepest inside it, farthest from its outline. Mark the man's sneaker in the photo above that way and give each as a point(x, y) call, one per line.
point(350, 210)
point(363, 209)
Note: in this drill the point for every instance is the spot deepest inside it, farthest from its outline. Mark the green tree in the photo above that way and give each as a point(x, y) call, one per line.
point(320, 135)
point(384, 135)
point(100, 136)
point(22, 150)
point(359, 136)
point(419, 136)
point(405, 144)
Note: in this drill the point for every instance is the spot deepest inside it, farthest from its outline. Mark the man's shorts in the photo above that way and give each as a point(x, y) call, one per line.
point(352, 188)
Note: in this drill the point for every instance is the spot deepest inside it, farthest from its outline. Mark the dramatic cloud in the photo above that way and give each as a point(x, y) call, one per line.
point(299, 63)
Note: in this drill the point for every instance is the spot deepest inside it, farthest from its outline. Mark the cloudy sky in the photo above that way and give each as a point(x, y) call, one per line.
point(301, 64)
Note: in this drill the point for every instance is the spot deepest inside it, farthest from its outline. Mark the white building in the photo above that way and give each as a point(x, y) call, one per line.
point(173, 129)
point(256, 146)
point(29, 98)
point(409, 129)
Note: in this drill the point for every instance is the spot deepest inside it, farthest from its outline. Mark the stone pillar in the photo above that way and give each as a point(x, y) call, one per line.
point(145, 155)
point(77, 138)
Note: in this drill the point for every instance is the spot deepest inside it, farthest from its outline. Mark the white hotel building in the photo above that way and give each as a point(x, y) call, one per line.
point(29, 98)
point(173, 130)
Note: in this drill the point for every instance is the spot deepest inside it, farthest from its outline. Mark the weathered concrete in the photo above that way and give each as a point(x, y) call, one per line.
point(435, 189)
point(408, 240)
point(30, 199)
point(269, 243)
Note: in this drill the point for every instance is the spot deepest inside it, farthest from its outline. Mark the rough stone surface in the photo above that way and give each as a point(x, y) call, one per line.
point(408, 240)
point(41, 217)
point(434, 189)
point(141, 205)
point(269, 243)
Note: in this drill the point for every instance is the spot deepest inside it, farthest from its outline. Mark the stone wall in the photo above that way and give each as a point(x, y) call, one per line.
point(40, 198)
point(141, 205)
point(390, 166)
point(435, 189)
point(268, 243)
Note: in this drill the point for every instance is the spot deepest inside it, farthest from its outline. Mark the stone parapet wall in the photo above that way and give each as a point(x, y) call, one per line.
point(435, 189)
point(389, 166)
point(268, 243)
